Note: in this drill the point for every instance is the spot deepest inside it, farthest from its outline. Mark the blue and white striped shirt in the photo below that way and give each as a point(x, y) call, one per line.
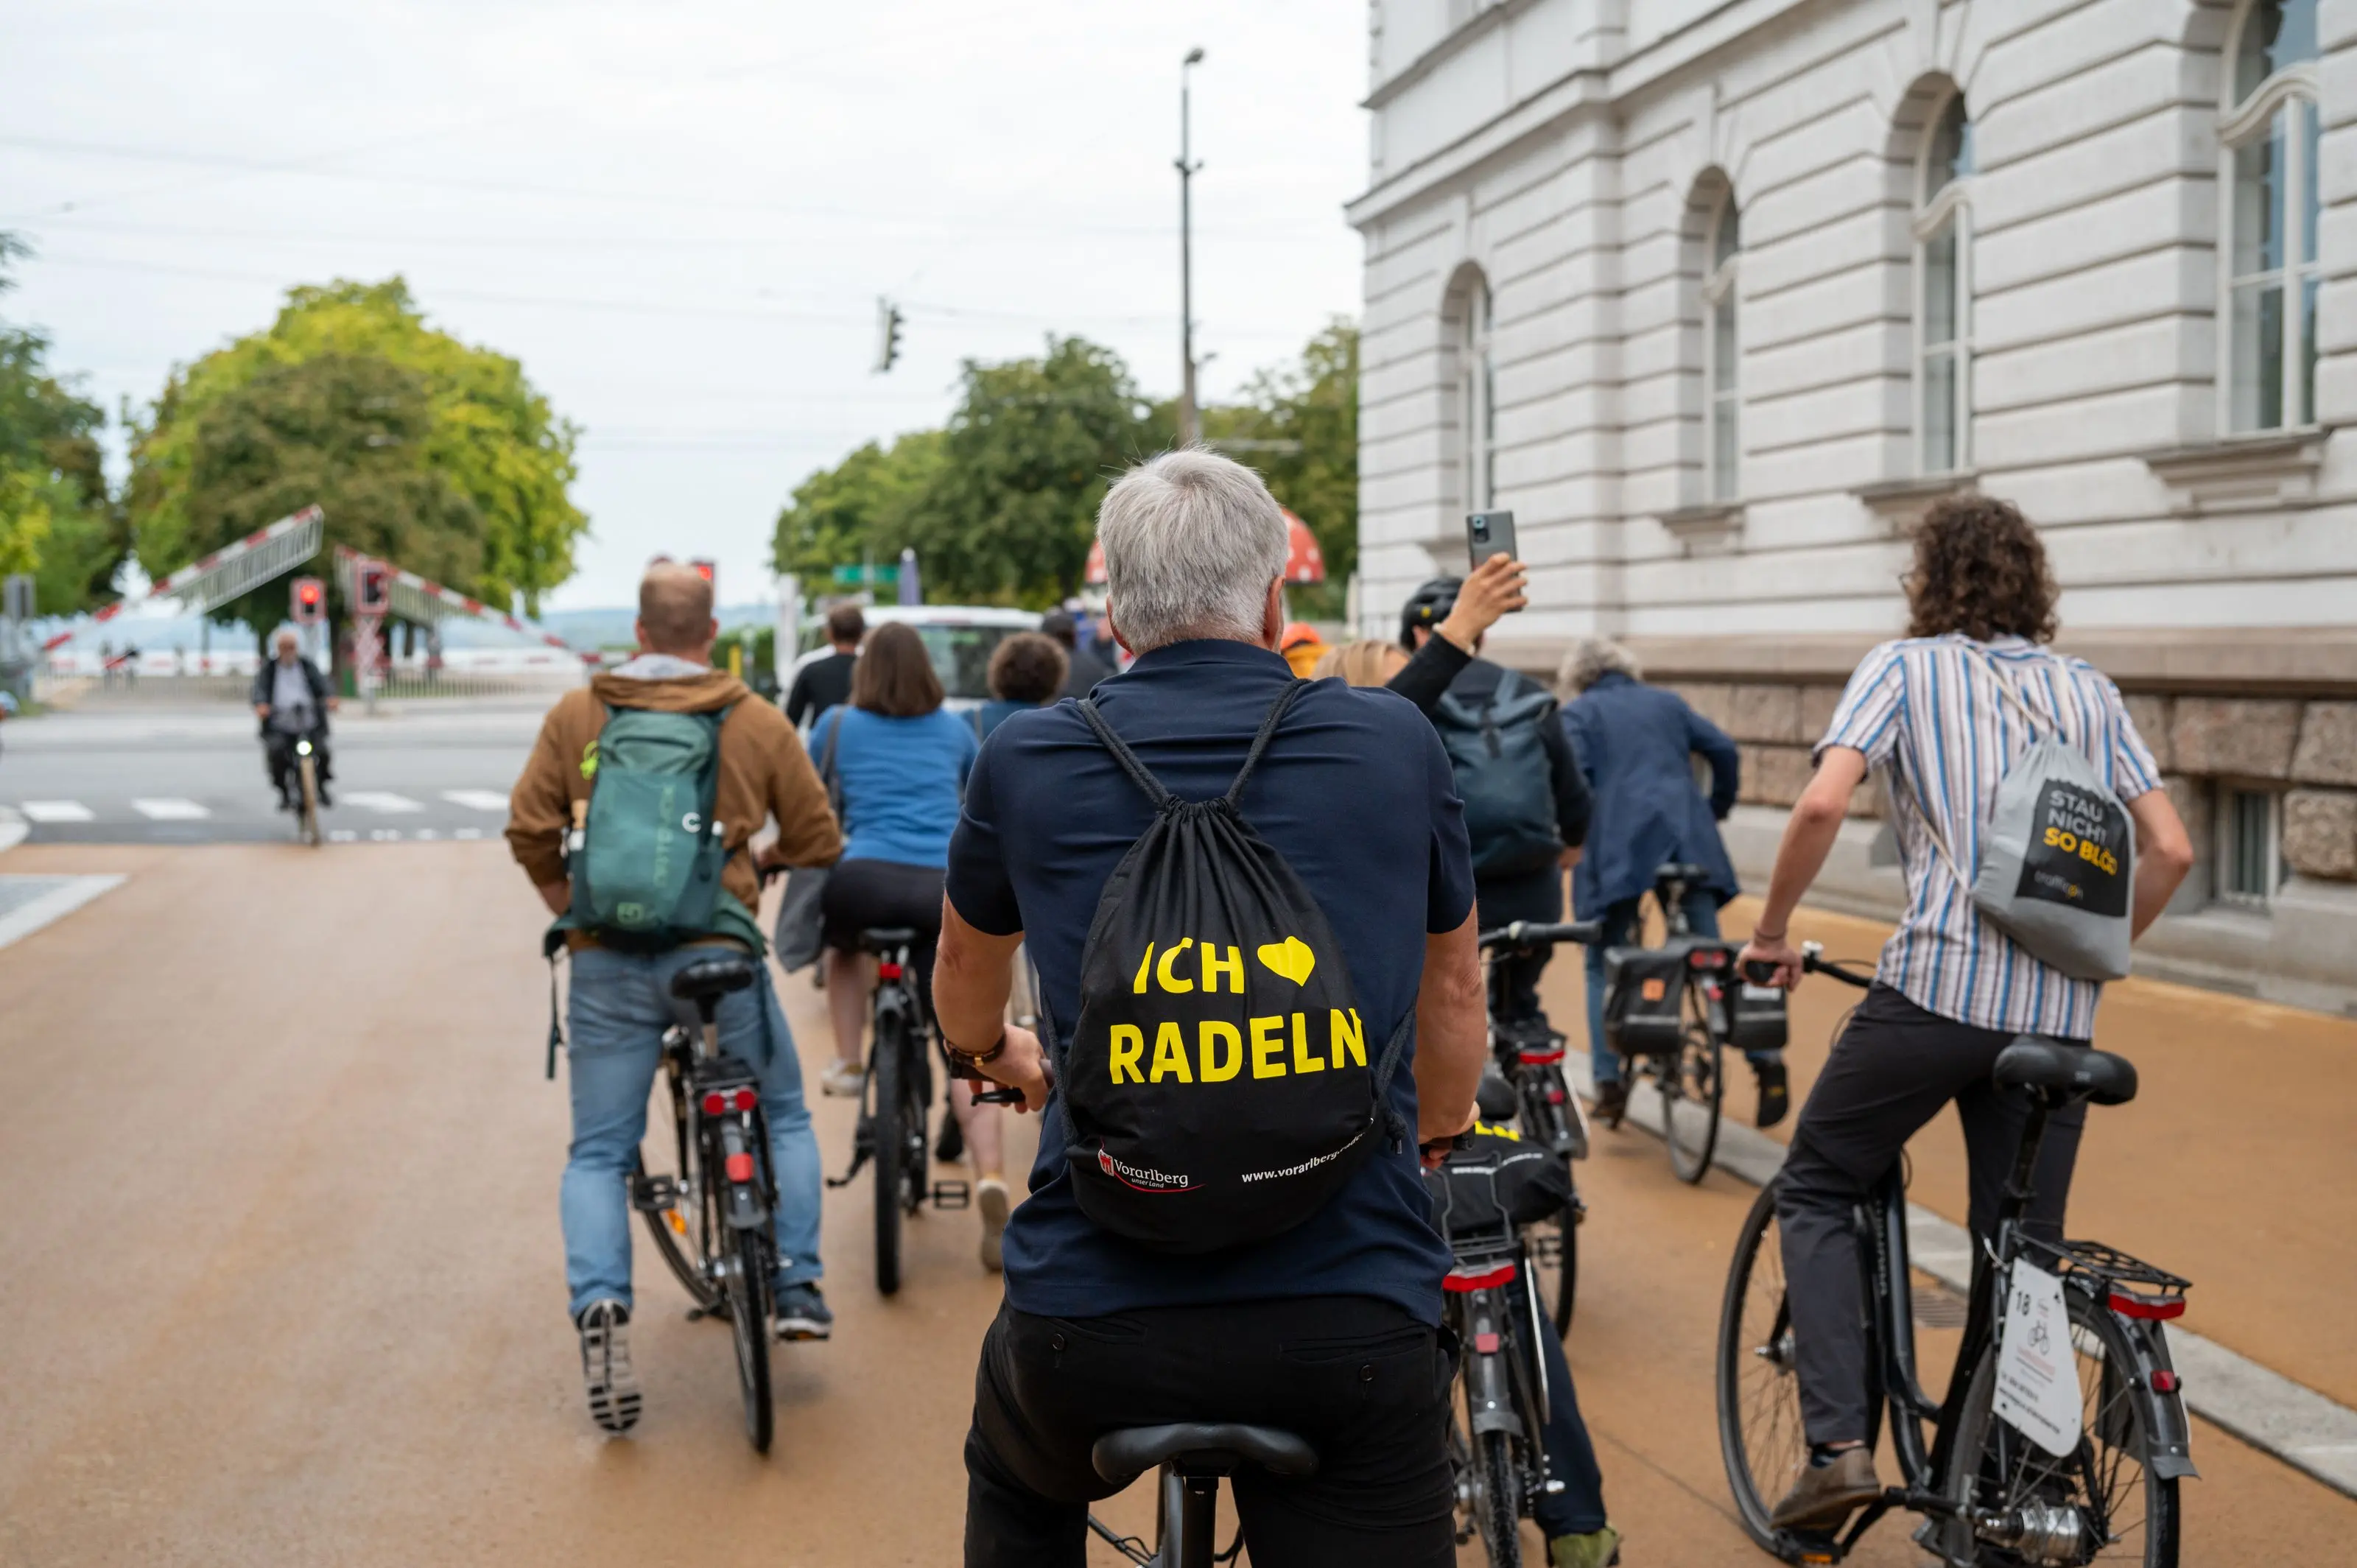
point(1926, 713)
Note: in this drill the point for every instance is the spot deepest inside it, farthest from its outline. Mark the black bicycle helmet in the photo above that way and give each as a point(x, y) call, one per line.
point(1427, 607)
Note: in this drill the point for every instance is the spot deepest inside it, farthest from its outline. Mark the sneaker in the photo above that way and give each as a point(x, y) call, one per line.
point(606, 1365)
point(1775, 1094)
point(990, 1196)
point(802, 1312)
point(1596, 1549)
point(1827, 1494)
point(1612, 1103)
point(844, 1079)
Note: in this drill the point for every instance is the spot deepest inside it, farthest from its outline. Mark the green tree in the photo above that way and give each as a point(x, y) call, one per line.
point(57, 520)
point(1299, 425)
point(472, 429)
point(855, 511)
point(1010, 510)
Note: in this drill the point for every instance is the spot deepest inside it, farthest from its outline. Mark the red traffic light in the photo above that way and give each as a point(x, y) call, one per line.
point(703, 569)
point(310, 601)
point(372, 586)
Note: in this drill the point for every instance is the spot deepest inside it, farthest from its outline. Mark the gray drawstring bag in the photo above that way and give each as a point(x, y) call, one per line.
point(801, 918)
point(2058, 857)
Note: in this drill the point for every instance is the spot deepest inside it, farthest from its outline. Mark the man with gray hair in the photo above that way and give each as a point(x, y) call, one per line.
point(1328, 1329)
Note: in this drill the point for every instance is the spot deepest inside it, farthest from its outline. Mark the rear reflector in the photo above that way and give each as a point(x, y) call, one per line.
point(2164, 1381)
point(1540, 1058)
point(745, 1098)
point(740, 1167)
point(716, 1103)
point(1485, 1344)
point(888, 970)
point(2148, 1307)
point(1458, 1280)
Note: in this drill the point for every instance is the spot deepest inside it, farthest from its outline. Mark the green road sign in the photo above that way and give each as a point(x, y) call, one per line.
point(867, 577)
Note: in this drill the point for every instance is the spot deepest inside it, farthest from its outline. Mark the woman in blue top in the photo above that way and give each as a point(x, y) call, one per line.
point(1026, 670)
point(900, 761)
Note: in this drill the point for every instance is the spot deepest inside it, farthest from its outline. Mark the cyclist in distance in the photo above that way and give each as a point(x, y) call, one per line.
point(1328, 1327)
point(825, 682)
point(1951, 990)
point(1526, 801)
point(1638, 744)
point(293, 701)
point(902, 760)
point(620, 1002)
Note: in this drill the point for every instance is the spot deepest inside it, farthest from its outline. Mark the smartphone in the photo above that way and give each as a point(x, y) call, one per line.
point(1487, 532)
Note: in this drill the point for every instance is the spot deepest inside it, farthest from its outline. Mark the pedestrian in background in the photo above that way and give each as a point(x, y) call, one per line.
point(1086, 666)
point(1637, 744)
point(1366, 662)
point(1301, 647)
point(823, 683)
point(1026, 670)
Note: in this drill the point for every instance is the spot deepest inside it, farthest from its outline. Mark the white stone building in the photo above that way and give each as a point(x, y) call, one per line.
point(1716, 296)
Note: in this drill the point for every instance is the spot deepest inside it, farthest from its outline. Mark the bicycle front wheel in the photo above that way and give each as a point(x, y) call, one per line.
point(1759, 1433)
point(669, 1206)
point(1691, 1091)
point(309, 826)
point(1554, 1248)
point(890, 1133)
point(2100, 1504)
point(748, 1326)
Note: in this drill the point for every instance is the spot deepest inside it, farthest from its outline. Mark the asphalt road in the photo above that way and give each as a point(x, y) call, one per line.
point(281, 1282)
point(126, 774)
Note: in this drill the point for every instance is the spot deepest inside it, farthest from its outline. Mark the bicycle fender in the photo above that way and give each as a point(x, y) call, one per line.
point(2163, 1414)
point(1489, 1394)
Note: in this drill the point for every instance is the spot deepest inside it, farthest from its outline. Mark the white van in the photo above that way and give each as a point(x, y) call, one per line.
point(960, 638)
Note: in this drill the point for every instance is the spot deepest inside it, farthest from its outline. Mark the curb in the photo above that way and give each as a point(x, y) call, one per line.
point(13, 828)
point(2311, 1431)
point(65, 894)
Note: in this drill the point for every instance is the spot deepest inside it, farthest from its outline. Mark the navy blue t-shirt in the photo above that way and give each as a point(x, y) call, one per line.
point(1356, 793)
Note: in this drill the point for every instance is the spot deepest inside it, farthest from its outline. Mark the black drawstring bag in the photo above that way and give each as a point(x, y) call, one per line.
point(1220, 1087)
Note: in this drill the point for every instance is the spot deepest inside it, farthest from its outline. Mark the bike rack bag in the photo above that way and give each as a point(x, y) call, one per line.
point(1757, 1021)
point(1644, 990)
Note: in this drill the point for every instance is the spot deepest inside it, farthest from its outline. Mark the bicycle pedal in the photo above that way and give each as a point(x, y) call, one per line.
point(952, 1194)
point(653, 1194)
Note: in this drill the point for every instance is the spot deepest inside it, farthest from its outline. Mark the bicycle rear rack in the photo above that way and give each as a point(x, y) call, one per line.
point(2132, 1287)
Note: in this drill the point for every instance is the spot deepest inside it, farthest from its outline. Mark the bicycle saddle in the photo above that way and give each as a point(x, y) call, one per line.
point(713, 977)
point(2033, 1061)
point(887, 938)
point(1201, 1448)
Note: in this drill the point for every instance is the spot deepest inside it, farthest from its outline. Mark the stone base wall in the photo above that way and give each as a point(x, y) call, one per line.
point(2305, 748)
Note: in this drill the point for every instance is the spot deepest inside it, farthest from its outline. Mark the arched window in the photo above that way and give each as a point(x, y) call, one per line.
point(2267, 137)
point(1944, 293)
point(1723, 449)
point(1476, 400)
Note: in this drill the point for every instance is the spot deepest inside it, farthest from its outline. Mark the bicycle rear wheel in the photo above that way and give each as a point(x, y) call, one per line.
point(748, 1326)
point(1759, 1433)
point(2104, 1495)
point(890, 1133)
point(1692, 1087)
point(1498, 1486)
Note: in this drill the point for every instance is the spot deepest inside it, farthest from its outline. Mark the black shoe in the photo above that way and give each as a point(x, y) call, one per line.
point(1612, 1103)
point(950, 1147)
point(605, 1372)
point(1775, 1094)
point(801, 1313)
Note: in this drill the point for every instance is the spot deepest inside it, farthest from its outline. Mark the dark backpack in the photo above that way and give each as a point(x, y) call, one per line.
point(1219, 1087)
point(646, 861)
point(1498, 752)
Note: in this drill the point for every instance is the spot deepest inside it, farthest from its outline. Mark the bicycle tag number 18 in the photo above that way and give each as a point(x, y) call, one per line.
point(2037, 1372)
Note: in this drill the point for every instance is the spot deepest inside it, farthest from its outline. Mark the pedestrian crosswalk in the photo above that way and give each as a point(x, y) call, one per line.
point(170, 808)
point(382, 801)
point(441, 807)
point(56, 811)
point(476, 800)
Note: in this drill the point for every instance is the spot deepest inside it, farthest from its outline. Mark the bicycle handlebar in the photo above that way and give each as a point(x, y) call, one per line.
point(1813, 961)
point(1533, 934)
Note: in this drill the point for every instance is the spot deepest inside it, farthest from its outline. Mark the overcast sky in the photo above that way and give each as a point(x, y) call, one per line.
point(679, 217)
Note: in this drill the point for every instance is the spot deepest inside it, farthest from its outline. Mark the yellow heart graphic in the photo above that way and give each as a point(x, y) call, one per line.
point(1290, 958)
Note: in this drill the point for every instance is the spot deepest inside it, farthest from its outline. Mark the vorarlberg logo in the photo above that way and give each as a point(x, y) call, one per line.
point(1140, 1176)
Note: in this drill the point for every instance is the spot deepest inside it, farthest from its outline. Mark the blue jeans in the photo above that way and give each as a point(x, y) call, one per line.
point(1578, 1508)
point(620, 1005)
point(1620, 926)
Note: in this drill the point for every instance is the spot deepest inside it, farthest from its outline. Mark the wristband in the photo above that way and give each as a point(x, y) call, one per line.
point(977, 1059)
point(1760, 935)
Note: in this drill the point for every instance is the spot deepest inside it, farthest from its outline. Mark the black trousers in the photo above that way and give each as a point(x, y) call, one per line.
point(1363, 1382)
point(1535, 896)
point(863, 894)
point(278, 755)
point(1891, 1071)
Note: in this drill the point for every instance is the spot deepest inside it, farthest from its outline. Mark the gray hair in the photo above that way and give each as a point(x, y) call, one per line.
point(1590, 660)
point(1192, 540)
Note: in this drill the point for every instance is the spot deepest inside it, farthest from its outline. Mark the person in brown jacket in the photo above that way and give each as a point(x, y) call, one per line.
point(620, 1003)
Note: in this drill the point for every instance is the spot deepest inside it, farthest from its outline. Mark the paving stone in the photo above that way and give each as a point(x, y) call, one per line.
point(2247, 738)
point(2328, 745)
point(2320, 833)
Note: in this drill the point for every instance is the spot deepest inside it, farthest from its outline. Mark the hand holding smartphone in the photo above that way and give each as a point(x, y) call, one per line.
point(1488, 533)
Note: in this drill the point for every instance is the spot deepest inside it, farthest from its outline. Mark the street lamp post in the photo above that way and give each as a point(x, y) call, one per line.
point(1191, 423)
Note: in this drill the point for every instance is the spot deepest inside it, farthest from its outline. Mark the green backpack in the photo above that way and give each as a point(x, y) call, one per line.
point(646, 861)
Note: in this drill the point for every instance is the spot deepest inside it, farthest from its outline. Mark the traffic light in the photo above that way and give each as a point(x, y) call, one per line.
point(709, 573)
point(310, 605)
point(887, 334)
point(372, 586)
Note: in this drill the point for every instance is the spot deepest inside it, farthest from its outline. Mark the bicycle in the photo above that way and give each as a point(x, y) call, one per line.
point(713, 1218)
point(1192, 1456)
point(1993, 1496)
point(895, 1102)
point(1680, 1047)
point(307, 803)
point(1544, 1110)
